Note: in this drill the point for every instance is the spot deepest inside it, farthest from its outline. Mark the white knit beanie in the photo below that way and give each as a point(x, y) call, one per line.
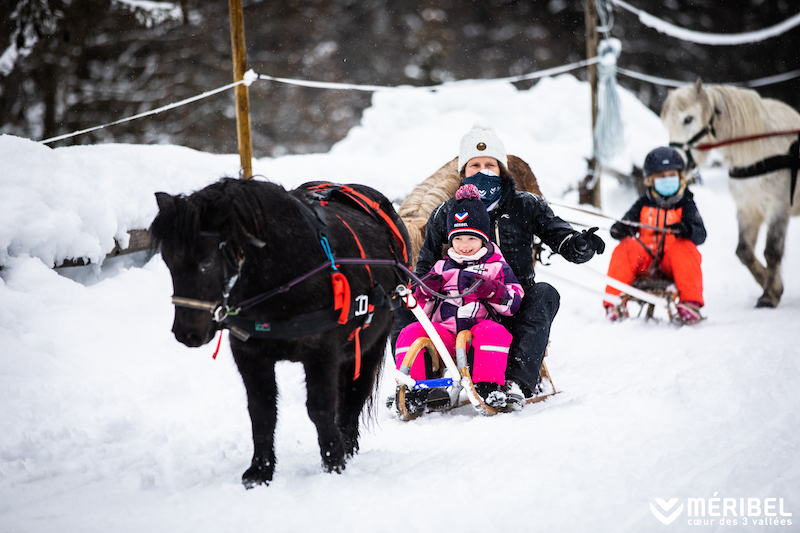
point(481, 141)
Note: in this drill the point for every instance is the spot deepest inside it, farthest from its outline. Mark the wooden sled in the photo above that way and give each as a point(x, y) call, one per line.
point(463, 382)
point(659, 287)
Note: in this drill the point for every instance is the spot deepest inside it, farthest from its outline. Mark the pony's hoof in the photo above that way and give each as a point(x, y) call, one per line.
point(333, 465)
point(766, 301)
point(256, 475)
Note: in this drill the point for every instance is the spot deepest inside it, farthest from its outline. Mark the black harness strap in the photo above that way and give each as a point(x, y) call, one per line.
point(308, 323)
point(771, 164)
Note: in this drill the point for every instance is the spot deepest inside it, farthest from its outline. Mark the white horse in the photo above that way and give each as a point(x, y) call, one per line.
point(717, 113)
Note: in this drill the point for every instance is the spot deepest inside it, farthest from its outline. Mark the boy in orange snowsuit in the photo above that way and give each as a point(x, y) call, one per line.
point(672, 248)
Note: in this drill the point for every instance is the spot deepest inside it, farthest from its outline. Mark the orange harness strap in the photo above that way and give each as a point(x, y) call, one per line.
point(360, 248)
point(341, 295)
point(356, 335)
point(386, 218)
point(370, 206)
point(341, 287)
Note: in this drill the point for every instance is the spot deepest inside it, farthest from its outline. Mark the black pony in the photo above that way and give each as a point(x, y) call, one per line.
point(250, 256)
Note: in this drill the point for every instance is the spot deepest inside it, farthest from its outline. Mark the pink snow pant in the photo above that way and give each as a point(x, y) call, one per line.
point(490, 342)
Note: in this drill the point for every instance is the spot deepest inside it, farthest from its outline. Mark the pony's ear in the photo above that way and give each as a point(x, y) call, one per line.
point(698, 85)
point(164, 201)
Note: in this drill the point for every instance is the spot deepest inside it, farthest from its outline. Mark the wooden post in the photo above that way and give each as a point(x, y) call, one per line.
point(242, 99)
point(588, 194)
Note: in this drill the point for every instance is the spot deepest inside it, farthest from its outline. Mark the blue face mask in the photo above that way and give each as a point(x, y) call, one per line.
point(668, 185)
point(490, 186)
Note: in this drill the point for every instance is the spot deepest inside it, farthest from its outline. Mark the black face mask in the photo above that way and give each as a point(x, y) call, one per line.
point(490, 187)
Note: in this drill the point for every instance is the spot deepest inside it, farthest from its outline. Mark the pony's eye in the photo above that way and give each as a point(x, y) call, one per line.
point(205, 266)
point(688, 120)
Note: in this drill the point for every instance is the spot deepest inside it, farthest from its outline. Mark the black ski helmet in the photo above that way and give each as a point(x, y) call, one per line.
point(661, 159)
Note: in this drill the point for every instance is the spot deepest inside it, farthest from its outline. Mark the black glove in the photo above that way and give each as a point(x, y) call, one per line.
point(585, 244)
point(620, 230)
point(680, 229)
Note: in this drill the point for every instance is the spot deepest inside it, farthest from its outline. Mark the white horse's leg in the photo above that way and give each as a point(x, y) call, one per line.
point(777, 224)
point(750, 221)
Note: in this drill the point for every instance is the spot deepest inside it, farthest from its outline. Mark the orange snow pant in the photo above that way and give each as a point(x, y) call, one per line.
point(681, 263)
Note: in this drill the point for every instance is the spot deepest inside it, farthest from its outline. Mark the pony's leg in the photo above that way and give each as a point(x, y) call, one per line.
point(322, 384)
point(773, 253)
point(258, 374)
point(356, 394)
point(749, 223)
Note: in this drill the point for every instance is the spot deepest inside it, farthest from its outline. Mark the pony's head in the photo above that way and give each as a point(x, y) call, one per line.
point(190, 233)
point(686, 113)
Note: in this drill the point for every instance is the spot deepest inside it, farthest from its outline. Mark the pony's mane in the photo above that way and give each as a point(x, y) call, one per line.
point(231, 207)
point(741, 112)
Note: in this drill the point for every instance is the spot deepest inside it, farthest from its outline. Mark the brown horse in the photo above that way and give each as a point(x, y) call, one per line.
point(440, 187)
point(717, 113)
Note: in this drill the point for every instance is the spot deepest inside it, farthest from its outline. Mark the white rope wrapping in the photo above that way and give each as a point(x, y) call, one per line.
point(760, 82)
point(726, 39)
point(250, 76)
point(451, 84)
point(609, 133)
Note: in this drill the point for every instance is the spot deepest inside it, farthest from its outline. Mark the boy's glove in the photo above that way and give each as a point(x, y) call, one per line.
point(620, 230)
point(680, 229)
point(584, 245)
point(490, 289)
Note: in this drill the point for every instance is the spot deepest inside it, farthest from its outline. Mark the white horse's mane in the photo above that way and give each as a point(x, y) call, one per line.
point(738, 112)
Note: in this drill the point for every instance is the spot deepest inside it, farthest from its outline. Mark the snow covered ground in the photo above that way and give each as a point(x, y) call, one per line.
point(109, 424)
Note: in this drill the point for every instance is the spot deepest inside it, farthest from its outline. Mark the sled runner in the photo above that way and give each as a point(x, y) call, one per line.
point(660, 288)
point(453, 377)
point(656, 287)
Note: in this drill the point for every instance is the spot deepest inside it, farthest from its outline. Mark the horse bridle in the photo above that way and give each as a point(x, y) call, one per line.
point(689, 145)
point(231, 263)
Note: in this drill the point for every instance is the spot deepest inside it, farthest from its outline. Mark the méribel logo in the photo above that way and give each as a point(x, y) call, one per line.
point(666, 507)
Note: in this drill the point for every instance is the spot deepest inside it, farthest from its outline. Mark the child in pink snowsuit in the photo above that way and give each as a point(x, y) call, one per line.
point(471, 256)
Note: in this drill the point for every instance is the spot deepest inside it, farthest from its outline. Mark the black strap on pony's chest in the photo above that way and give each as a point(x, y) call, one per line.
point(308, 323)
point(778, 162)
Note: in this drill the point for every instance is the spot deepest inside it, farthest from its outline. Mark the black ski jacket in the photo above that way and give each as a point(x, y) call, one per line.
point(513, 223)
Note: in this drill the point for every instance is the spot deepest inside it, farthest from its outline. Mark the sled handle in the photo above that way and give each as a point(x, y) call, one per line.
point(419, 313)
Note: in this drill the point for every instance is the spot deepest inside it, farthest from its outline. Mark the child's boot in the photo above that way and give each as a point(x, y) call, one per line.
point(491, 394)
point(689, 312)
point(615, 313)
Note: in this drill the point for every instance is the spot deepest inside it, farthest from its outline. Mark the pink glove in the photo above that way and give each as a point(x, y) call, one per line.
point(432, 284)
point(490, 289)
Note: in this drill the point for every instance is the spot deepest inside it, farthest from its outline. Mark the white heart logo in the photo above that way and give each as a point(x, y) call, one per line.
point(666, 506)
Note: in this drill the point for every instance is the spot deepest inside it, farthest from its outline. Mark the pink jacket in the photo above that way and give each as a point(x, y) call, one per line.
point(463, 313)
